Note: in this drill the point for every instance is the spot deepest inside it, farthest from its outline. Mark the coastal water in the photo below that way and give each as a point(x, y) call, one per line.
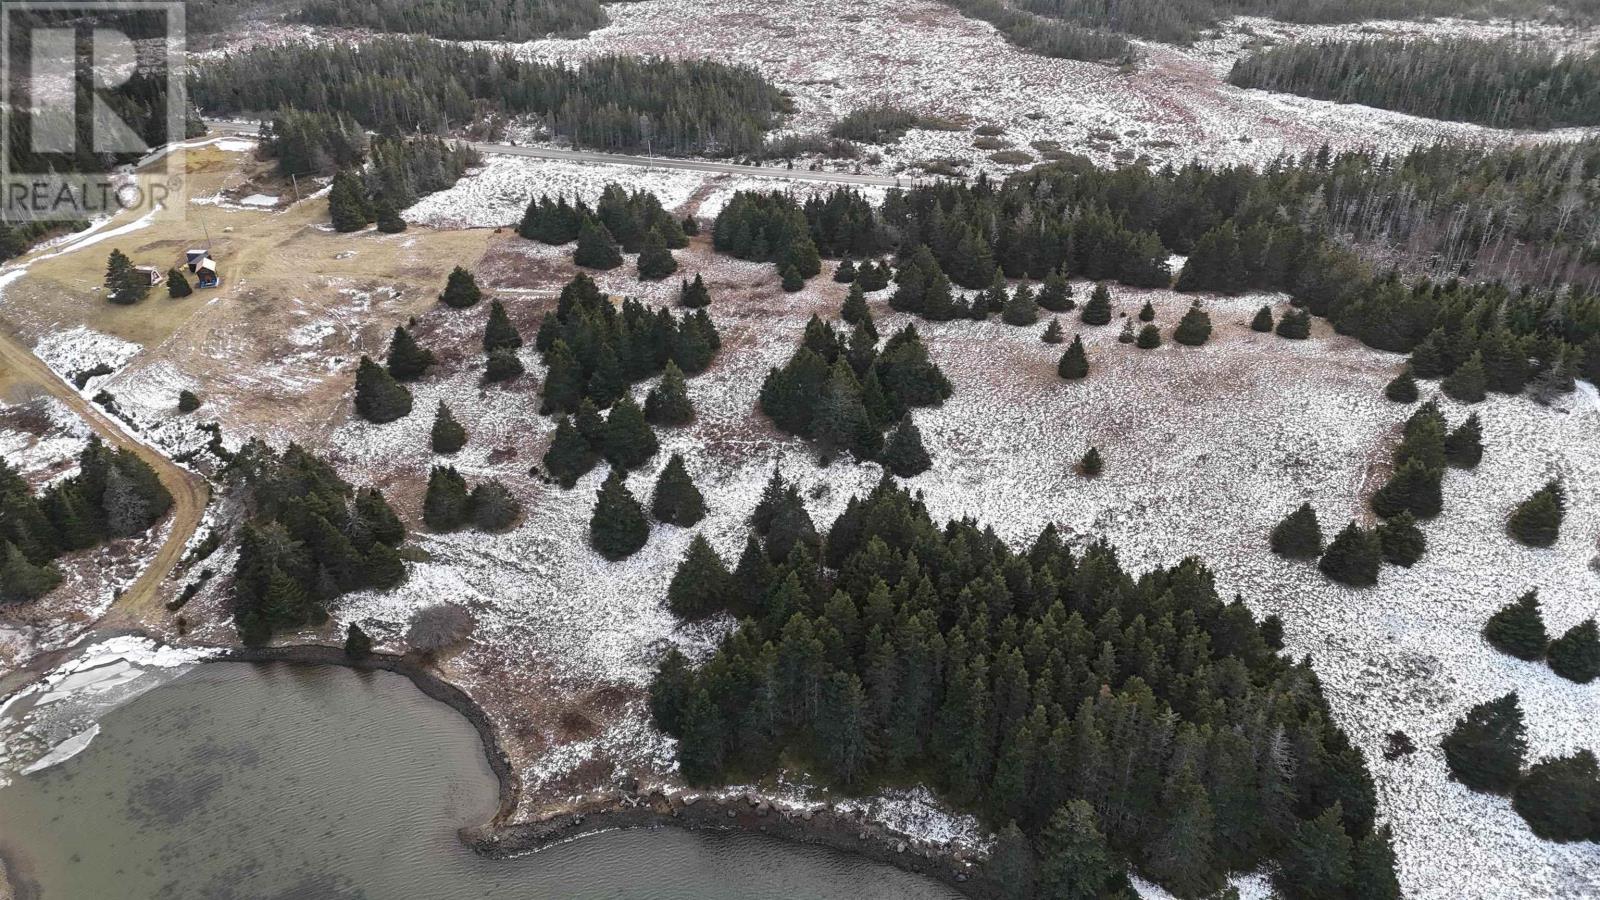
point(244, 782)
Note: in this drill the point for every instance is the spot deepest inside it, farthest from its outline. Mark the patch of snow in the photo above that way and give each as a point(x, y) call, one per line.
point(80, 348)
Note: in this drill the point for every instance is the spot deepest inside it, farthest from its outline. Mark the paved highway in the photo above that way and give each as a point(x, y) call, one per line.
point(648, 162)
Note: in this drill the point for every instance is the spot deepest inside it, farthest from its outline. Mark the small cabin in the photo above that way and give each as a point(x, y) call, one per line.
point(155, 275)
point(203, 267)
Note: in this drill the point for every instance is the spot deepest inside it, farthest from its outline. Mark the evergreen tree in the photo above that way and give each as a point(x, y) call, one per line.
point(493, 507)
point(177, 285)
point(693, 294)
point(1415, 488)
point(701, 586)
point(1318, 864)
point(461, 290)
point(1560, 798)
point(570, 456)
point(348, 204)
point(1353, 558)
point(1485, 748)
point(1575, 655)
point(1194, 328)
point(1182, 857)
point(407, 361)
point(1374, 876)
point(596, 249)
point(667, 405)
point(655, 260)
point(1075, 862)
point(1468, 382)
point(357, 645)
point(188, 402)
point(1055, 294)
point(374, 514)
point(676, 500)
point(1091, 465)
point(1011, 865)
point(1295, 324)
point(1128, 335)
point(448, 435)
point(904, 454)
point(1149, 337)
point(563, 383)
point(855, 310)
point(1020, 310)
point(1075, 362)
point(1299, 535)
point(1403, 389)
point(845, 272)
point(1402, 542)
point(499, 333)
point(1263, 320)
point(1536, 521)
point(21, 580)
point(700, 748)
point(1463, 448)
point(790, 279)
point(1053, 333)
point(618, 528)
point(379, 398)
point(1098, 310)
point(388, 219)
point(125, 285)
point(627, 441)
point(1147, 312)
point(1518, 628)
point(447, 503)
point(502, 365)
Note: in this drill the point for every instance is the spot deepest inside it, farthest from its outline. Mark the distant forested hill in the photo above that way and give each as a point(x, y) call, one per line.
point(398, 85)
point(465, 20)
point(1505, 83)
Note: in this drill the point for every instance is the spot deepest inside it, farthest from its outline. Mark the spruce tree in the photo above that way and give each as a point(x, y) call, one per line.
point(1295, 324)
point(1149, 337)
point(357, 645)
point(1194, 328)
point(596, 249)
point(1053, 333)
point(188, 402)
point(1299, 535)
point(448, 436)
point(1091, 465)
point(627, 441)
point(1403, 389)
point(1402, 542)
point(563, 384)
point(1020, 310)
point(1536, 521)
point(1353, 558)
point(904, 454)
point(789, 278)
point(499, 333)
point(1468, 382)
point(348, 204)
point(855, 310)
point(617, 528)
point(1055, 294)
point(676, 500)
point(655, 260)
point(447, 503)
point(492, 506)
point(379, 398)
point(1485, 748)
point(1263, 320)
point(124, 284)
point(701, 586)
point(1560, 798)
point(1075, 362)
point(1147, 312)
point(1463, 447)
point(1128, 335)
point(1317, 864)
point(461, 290)
point(1098, 310)
point(407, 361)
point(22, 581)
point(693, 294)
point(389, 220)
point(502, 365)
point(1575, 655)
point(1415, 487)
point(1374, 876)
point(1518, 628)
point(177, 285)
point(1074, 861)
point(845, 272)
point(570, 456)
point(667, 405)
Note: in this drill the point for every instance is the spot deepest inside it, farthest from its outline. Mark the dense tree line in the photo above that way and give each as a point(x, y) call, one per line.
point(1043, 35)
point(403, 85)
point(462, 20)
point(620, 222)
point(310, 538)
point(1084, 713)
point(114, 495)
point(1504, 83)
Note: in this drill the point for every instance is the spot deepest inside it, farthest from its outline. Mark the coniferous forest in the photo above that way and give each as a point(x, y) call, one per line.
point(462, 20)
point(399, 85)
point(1032, 688)
point(1503, 84)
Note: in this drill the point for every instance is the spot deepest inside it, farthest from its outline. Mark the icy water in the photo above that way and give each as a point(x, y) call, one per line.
point(242, 782)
